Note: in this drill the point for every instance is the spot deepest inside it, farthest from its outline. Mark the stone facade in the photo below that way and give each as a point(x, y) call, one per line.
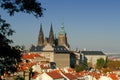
point(62, 60)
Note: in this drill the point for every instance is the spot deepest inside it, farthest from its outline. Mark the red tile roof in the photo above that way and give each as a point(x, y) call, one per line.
point(55, 74)
point(70, 76)
point(25, 66)
point(71, 70)
point(30, 56)
point(113, 76)
point(43, 66)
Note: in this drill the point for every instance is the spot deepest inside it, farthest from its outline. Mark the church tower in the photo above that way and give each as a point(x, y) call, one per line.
point(40, 37)
point(62, 37)
point(51, 36)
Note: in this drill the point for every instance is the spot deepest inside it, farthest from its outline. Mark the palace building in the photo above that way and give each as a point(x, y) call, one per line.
point(55, 50)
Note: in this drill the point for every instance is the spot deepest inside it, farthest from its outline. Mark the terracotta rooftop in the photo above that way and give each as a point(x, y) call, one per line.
point(55, 74)
point(43, 66)
point(70, 76)
point(30, 56)
point(113, 76)
point(25, 66)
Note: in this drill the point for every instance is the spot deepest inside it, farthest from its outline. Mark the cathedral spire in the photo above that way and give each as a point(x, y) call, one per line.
point(51, 35)
point(40, 37)
point(51, 29)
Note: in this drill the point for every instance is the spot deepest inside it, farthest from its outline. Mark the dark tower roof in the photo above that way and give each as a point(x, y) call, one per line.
point(51, 35)
point(41, 36)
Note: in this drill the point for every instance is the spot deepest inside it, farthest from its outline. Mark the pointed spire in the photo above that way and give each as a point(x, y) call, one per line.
point(41, 36)
point(51, 29)
point(51, 35)
point(41, 27)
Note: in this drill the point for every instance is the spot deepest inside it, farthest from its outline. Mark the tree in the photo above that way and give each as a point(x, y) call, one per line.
point(80, 67)
point(30, 7)
point(18, 78)
point(100, 63)
point(10, 56)
point(115, 66)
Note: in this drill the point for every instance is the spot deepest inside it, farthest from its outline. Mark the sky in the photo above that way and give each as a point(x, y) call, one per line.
point(89, 24)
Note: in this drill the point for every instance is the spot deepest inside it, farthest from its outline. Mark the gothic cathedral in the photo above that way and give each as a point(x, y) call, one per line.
point(60, 41)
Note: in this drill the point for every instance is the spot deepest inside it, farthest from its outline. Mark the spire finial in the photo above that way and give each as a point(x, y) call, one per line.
point(62, 26)
point(62, 31)
point(51, 29)
point(41, 27)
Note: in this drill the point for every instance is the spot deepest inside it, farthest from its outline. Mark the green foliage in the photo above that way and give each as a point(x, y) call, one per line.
point(114, 65)
point(100, 63)
point(18, 78)
point(25, 6)
point(10, 56)
point(80, 67)
point(5, 31)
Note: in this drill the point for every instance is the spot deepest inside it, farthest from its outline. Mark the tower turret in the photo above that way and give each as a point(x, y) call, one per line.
point(40, 37)
point(62, 37)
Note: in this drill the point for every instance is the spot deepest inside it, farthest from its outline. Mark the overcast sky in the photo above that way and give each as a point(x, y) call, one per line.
point(90, 24)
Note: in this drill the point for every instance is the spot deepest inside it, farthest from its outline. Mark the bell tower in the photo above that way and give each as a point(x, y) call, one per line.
point(62, 36)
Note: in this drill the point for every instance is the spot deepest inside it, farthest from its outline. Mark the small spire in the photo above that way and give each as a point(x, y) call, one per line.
point(62, 26)
point(51, 29)
point(41, 27)
point(62, 31)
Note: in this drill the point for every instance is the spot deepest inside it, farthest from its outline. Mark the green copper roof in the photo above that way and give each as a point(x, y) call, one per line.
point(62, 31)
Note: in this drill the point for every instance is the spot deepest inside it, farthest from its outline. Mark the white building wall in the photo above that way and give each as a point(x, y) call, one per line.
point(49, 56)
point(93, 58)
point(44, 76)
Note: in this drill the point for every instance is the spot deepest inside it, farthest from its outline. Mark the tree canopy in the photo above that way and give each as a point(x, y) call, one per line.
point(100, 63)
point(10, 56)
point(25, 6)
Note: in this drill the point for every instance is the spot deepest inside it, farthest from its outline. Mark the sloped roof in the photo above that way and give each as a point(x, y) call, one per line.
point(113, 76)
point(25, 66)
point(55, 74)
point(36, 48)
point(70, 76)
point(30, 56)
point(56, 49)
point(92, 52)
point(61, 49)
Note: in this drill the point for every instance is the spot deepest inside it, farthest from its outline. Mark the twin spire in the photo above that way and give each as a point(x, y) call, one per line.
point(41, 36)
point(60, 41)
